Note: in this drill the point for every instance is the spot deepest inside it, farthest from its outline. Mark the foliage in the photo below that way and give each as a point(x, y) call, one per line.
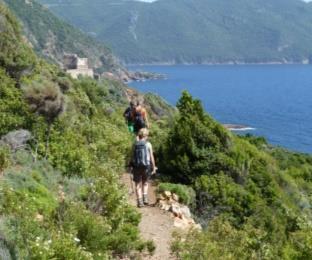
point(15, 56)
point(89, 224)
point(222, 241)
point(186, 194)
point(52, 37)
point(14, 111)
point(68, 204)
point(252, 199)
point(159, 106)
point(260, 142)
point(45, 98)
point(4, 158)
point(195, 144)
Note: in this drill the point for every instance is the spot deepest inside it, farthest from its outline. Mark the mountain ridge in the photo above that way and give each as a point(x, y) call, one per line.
point(51, 38)
point(198, 31)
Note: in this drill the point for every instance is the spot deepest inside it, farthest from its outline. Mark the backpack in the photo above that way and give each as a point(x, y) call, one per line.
point(140, 156)
point(128, 114)
point(139, 121)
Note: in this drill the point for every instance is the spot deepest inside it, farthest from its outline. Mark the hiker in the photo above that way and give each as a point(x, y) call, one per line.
point(140, 118)
point(129, 116)
point(143, 164)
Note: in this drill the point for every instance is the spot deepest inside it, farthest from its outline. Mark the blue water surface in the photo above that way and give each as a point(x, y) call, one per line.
point(276, 100)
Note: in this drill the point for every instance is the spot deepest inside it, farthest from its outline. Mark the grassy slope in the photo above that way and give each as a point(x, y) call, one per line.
point(196, 31)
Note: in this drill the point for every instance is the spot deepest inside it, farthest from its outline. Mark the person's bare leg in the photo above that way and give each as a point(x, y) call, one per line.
point(145, 187)
point(138, 188)
point(145, 192)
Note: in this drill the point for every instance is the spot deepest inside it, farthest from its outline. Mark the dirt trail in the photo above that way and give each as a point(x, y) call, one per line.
point(156, 224)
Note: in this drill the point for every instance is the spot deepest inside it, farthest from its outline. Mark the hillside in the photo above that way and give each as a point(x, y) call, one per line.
point(63, 149)
point(51, 37)
point(198, 31)
point(63, 146)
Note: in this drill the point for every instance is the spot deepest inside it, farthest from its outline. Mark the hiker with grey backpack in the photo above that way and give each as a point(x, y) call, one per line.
point(143, 163)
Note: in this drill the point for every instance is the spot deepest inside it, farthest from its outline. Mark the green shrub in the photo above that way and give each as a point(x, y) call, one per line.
point(44, 98)
point(186, 193)
point(252, 200)
point(94, 223)
point(64, 83)
point(69, 153)
point(219, 191)
point(4, 158)
point(222, 241)
point(195, 145)
point(59, 245)
point(95, 92)
point(16, 57)
point(15, 113)
point(91, 229)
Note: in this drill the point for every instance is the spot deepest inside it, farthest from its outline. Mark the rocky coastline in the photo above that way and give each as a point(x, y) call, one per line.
point(234, 127)
point(129, 76)
point(228, 62)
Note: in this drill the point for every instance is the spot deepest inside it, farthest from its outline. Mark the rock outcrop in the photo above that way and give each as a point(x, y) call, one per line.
point(181, 213)
point(16, 139)
point(128, 76)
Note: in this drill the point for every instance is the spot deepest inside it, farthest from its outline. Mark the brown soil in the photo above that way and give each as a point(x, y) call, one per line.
point(156, 224)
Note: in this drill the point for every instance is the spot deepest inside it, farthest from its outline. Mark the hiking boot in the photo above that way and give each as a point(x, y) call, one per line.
point(140, 203)
point(145, 199)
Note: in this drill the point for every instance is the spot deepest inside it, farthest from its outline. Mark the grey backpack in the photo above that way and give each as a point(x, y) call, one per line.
point(140, 156)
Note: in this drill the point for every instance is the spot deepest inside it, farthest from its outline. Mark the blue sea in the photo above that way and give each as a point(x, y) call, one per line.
point(274, 100)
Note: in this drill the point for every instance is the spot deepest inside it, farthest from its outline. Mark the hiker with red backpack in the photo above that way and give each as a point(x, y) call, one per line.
point(140, 118)
point(143, 163)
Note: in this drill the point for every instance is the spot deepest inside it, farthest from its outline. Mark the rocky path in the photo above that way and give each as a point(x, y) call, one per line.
point(156, 224)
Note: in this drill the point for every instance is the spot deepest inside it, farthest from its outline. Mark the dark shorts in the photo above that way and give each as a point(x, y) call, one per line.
point(141, 174)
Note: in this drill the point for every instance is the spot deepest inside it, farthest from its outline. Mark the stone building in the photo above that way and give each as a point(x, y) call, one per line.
point(76, 66)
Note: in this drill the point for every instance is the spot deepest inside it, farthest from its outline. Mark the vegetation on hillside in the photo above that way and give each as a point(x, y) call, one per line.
point(61, 197)
point(51, 37)
point(253, 201)
point(62, 200)
point(196, 31)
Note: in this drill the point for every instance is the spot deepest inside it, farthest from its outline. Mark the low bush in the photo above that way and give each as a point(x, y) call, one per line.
point(251, 199)
point(4, 158)
point(186, 193)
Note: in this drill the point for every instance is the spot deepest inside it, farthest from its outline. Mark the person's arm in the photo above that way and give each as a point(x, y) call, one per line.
point(130, 159)
point(146, 119)
point(152, 159)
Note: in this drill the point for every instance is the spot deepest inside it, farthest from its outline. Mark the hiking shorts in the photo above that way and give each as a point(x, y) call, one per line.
point(142, 174)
